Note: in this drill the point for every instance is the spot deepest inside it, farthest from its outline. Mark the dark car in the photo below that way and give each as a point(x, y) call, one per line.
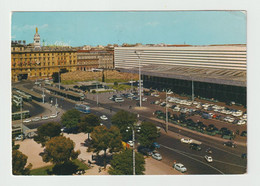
point(230, 144)
point(156, 145)
point(145, 151)
point(243, 133)
point(195, 146)
point(244, 156)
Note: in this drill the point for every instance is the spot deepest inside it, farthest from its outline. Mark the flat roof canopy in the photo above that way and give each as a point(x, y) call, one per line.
point(218, 76)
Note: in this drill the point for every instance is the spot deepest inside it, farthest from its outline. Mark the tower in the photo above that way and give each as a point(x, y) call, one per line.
point(36, 39)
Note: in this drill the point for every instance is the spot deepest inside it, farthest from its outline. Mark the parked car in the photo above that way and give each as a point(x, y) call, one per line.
point(103, 117)
point(145, 151)
point(179, 167)
point(27, 120)
point(194, 146)
point(186, 140)
point(157, 156)
point(36, 119)
point(208, 158)
point(19, 137)
point(230, 144)
point(156, 145)
point(45, 117)
point(209, 151)
point(53, 116)
point(244, 156)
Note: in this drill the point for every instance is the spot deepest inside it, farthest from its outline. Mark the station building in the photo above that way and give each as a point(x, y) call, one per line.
point(216, 71)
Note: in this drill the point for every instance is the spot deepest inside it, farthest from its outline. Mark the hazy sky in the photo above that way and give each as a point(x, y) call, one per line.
point(102, 28)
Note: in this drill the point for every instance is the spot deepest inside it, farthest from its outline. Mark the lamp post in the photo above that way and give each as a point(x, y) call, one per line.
point(167, 93)
point(97, 91)
point(192, 90)
point(43, 95)
point(21, 109)
point(133, 139)
point(138, 53)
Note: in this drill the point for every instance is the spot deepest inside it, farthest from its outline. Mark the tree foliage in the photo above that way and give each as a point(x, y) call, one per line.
point(104, 139)
point(70, 118)
point(59, 150)
point(122, 119)
point(148, 134)
point(47, 131)
point(88, 122)
point(19, 161)
point(122, 163)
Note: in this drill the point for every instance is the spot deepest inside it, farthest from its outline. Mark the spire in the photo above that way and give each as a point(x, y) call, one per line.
point(36, 30)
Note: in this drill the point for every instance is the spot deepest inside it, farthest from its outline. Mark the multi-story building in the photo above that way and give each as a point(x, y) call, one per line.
point(92, 59)
point(34, 61)
point(217, 72)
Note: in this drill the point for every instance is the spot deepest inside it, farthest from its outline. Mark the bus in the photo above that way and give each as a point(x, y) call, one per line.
point(83, 108)
point(17, 115)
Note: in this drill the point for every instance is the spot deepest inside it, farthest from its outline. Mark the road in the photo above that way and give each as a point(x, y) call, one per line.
point(226, 160)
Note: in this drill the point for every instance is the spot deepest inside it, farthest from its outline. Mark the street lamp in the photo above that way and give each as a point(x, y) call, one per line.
point(97, 91)
point(43, 95)
point(192, 90)
point(167, 93)
point(133, 139)
point(21, 109)
point(138, 53)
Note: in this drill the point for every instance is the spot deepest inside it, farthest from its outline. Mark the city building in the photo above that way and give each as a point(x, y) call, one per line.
point(92, 59)
point(216, 71)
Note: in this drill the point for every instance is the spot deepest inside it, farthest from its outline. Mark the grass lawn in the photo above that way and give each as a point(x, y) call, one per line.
point(45, 170)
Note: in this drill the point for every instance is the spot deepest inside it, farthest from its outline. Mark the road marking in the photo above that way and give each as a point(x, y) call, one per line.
point(193, 159)
point(214, 159)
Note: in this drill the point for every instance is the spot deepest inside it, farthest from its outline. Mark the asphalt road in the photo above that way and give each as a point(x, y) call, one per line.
point(226, 160)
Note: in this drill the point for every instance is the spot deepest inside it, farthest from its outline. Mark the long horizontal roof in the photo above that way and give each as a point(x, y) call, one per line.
point(218, 76)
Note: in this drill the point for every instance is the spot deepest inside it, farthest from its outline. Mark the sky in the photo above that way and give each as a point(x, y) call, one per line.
point(150, 27)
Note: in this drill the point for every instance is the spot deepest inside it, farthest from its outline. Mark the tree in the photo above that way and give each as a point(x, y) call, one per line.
point(60, 150)
point(70, 118)
point(148, 134)
point(47, 131)
point(122, 119)
point(88, 122)
point(55, 77)
point(19, 161)
point(116, 83)
point(104, 139)
point(122, 163)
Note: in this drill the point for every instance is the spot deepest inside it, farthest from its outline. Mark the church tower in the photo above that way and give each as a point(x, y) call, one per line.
point(36, 39)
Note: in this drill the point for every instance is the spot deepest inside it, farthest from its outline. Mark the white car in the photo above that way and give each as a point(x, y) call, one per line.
point(103, 117)
point(208, 158)
point(180, 167)
point(241, 122)
point(53, 116)
point(19, 137)
point(157, 156)
point(27, 120)
point(186, 140)
point(45, 117)
point(36, 119)
point(130, 143)
point(144, 99)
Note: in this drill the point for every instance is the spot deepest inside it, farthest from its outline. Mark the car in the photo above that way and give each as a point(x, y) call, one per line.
point(36, 119)
point(195, 146)
point(186, 140)
point(244, 156)
point(144, 99)
point(156, 145)
point(19, 137)
point(119, 100)
point(209, 151)
point(179, 167)
point(157, 156)
point(230, 144)
point(103, 117)
point(53, 116)
point(208, 158)
point(45, 117)
point(130, 143)
point(27, 120)
point(145, 151)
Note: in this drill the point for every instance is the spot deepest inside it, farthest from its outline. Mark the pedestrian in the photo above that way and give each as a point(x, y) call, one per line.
point(99, 169)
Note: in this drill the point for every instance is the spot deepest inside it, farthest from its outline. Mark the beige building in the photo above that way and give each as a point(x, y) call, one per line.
point(92, 59)
point(35, 63)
